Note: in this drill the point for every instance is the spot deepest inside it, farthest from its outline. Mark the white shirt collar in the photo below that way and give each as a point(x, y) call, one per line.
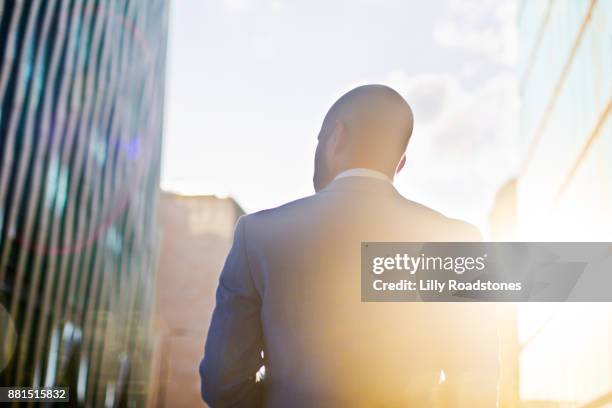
point(362, 172)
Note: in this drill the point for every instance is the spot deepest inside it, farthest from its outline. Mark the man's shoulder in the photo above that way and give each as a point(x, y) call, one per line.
point(307, 209)
point(453, 228)
point(290, 209)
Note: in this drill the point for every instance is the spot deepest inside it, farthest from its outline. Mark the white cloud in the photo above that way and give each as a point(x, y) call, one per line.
point(464, 142)
point(482, 27)
point(430, 94)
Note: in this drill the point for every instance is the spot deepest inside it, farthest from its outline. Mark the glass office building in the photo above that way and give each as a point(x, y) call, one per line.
point(81, 109)
point(564, 192)
point(565, 189)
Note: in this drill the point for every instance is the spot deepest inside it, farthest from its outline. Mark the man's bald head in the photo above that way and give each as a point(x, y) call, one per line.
point(368, 127)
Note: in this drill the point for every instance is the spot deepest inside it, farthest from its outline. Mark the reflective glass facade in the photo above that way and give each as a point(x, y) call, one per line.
point(566, 88)
point(81, 110)
point(565, 190)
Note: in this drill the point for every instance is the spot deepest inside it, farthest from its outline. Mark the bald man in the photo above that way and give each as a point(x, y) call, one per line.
point(289, 293)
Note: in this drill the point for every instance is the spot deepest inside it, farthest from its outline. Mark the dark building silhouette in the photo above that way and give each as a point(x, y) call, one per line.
point(81, 108)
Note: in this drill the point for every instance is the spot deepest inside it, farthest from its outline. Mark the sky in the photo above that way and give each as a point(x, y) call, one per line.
point(249, 82)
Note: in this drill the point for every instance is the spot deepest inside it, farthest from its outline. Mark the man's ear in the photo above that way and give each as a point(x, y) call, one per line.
point(337, 137)
point(401, 164)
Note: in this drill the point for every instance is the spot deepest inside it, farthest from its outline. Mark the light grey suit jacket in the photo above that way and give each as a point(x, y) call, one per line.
point(291, 288)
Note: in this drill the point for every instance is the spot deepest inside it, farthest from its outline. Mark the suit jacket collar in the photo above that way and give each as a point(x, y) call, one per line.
point(359, 184)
